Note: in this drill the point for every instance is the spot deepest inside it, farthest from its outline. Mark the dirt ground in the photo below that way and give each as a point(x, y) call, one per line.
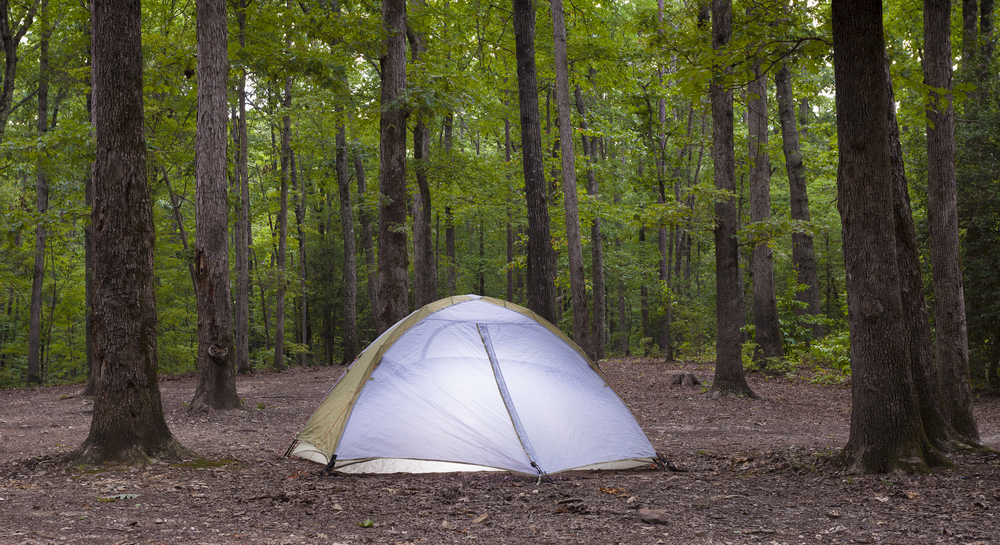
point(756, 471)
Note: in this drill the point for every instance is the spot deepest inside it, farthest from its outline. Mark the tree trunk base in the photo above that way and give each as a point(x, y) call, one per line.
point(90, 453)
point(719, 391)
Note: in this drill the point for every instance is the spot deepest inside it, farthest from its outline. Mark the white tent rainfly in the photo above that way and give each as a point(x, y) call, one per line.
point(472, 383)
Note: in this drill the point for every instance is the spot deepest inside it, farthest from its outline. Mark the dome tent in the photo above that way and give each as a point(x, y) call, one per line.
point(472, 383)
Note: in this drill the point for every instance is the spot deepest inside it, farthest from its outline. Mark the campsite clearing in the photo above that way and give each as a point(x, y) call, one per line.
point(757, 471)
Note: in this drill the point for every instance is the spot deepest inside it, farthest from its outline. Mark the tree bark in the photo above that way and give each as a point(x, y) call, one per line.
point(286, 159)
point(729, 376)
point(128, 424)
point(970, 34)
point(351, 348)
point(942, 213)
point(449, 221)
point(424, 260)
point(541, 281)
point(392, 258)
point(927, 380)
point(803, 251)
point(574, 244)
point(767, 331)
point(216, 388)
point(367, 239)
point(599, 327)
point(301, 206)
point(243, 228)
point(42, 195)
point(886, 430)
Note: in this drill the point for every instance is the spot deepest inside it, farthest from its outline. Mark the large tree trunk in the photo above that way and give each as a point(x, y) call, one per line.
point(128, 424)
point(803, 252)
point(886, 430)
point(241, 345)
point(729, 376)
point(942, 214)
point(351, 347)
point(574, 244)
point(42, 195)
point(216, 388)
point(918, 332)
point(367, 238)
point(599, 327)
point(286, 159)
point(392, 258)
point(767, 332)
point(541, 282)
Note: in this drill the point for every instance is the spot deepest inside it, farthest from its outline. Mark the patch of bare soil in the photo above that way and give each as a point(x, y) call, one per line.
point(755, 471)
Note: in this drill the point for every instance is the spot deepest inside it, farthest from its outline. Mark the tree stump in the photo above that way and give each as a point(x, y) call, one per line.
point(683, 378)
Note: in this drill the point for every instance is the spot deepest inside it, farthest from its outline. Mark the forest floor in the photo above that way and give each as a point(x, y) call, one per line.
point(755, 471)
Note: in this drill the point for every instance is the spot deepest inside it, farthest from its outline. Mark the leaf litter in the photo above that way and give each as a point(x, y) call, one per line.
point(756, 470)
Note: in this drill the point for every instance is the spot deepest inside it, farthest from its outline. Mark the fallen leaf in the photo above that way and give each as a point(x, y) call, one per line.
point(447, 525)
point(912, 494)
point(481, 518)
point(882, 499)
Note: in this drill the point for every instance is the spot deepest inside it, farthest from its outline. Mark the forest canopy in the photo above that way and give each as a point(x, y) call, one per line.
point(305, 78)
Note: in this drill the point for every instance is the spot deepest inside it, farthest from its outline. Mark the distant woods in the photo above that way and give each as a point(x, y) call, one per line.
point(656, 179)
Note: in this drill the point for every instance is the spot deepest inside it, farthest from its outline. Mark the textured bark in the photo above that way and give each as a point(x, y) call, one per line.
point(351, 347)
point(300, 213)
point(767, 332)
point(803, 250)
point(42, 204)
point(886, 430)
point(918, 331)
point(599, 327)
point(541, 281)
point(942, 214)
point(286, 159)
point(729, 376)
point(216, 388)
point(449, 223)
point(392, 258)
point(241, 310)
point(970, 34)
point(11, 36)
point(128, 424)
point(567, 153)
point(367, 238)
point(424, 260)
